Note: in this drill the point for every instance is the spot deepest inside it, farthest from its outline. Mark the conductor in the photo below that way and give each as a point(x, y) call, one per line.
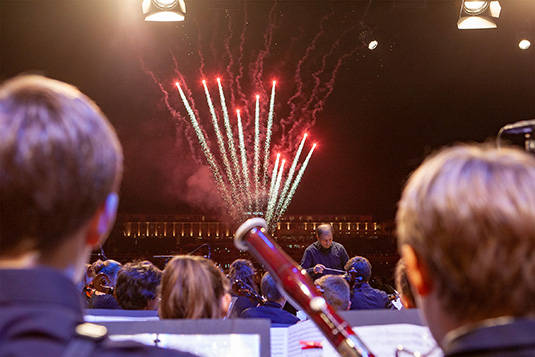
point(324, 256)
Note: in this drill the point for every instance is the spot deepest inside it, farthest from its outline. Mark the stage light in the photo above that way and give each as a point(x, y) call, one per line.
point(367, 38)
point(523, 36)
point(524, 44)
point(164, 10)
point(478, 14)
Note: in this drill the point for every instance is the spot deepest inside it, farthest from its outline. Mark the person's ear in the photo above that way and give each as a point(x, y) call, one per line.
point(417, 271)
point(103, 220)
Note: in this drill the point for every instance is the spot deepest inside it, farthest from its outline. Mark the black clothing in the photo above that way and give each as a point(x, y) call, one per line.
point(242, 303)
point(39, 311)
point(365, 297)
point(103, 301)
point(273, 311)
point(335, 257)
point(516, 338)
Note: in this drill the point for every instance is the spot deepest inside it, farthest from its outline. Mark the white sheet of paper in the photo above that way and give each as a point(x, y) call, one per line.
point(229, 345)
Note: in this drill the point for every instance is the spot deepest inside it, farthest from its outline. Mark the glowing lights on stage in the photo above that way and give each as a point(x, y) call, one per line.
point(478, 14)
point(242, 191)
point(164, 10)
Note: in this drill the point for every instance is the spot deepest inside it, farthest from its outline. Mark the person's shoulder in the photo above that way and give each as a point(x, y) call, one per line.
point(338, 245)
point(250, 312)
point(312, 246)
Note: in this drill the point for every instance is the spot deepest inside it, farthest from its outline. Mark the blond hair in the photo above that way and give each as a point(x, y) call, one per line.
point(60, 159)
point(335, 291)
point(469, 214)
point(192, 288)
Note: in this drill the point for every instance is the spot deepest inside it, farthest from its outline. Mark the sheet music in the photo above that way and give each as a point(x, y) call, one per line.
point(303, 331)
point(382, 340)
point(229, 345)
point(279, 341)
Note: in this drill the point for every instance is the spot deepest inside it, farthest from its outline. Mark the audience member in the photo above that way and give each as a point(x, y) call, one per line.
point(137, 285)
point(403, 286)
point(61, 165)
point(272, 309)
point(193, 288)
point(324, 255)
point(466, 227)
point(243, 270)
point(363, 295)
point(335, 290)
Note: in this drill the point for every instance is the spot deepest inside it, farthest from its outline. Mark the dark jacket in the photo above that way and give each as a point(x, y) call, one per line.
point(335, 257)
point(515, 338)
point(273, 311)
point(365, 297)
point(39, 311)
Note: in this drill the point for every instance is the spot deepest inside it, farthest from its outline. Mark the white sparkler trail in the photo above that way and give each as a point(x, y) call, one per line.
point(291, 174)
point(245, 167)
point(230, 137)
point(207, 153)
point(220, 141)
point(274, 176)
point(256, 166)
point(273, 200)
point(296, 182)
point(268, 135)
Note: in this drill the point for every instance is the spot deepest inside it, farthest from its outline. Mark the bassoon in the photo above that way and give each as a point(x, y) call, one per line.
point(299, 288)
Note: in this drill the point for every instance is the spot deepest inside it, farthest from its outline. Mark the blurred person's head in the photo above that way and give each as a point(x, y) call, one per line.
point(137, 286)
point(362, 268)
point(192, 288)
point(270, 289)
point(61, 168)
point(403, 286)
point(466, 231)
point(335, 291)
point(243, 270)
point(106, 274)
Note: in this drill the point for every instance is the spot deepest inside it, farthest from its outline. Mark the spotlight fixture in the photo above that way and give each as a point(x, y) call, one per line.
point(524, 44)
point(524, 36)
point(164, 10)
point(478, 14)
point(367, 38)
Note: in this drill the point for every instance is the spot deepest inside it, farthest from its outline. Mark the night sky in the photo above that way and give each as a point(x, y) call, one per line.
point(373, 114)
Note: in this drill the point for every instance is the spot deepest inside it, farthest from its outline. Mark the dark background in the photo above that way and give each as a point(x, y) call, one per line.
point(427, 85)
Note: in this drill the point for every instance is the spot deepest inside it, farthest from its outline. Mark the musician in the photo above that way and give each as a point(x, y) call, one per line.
point(403, 286)
point(137, 286)
point(243, 270)
point(324, 254)
point(272, 309)
point(466, 231)
point(335, 290)
point(104, 284)
point(363, 296)
point(193, 288)
point(60, 168)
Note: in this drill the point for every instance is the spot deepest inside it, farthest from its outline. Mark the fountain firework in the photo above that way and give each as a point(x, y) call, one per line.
point(244, 194)
point(238, 144)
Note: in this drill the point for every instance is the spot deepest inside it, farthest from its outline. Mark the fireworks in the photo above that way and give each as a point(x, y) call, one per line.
point(241, 192)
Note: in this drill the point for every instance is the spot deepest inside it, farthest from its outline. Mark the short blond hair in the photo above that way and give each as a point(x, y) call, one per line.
point(335, 291)
point(60, 159)
point(469, 213)
point(192, 288)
